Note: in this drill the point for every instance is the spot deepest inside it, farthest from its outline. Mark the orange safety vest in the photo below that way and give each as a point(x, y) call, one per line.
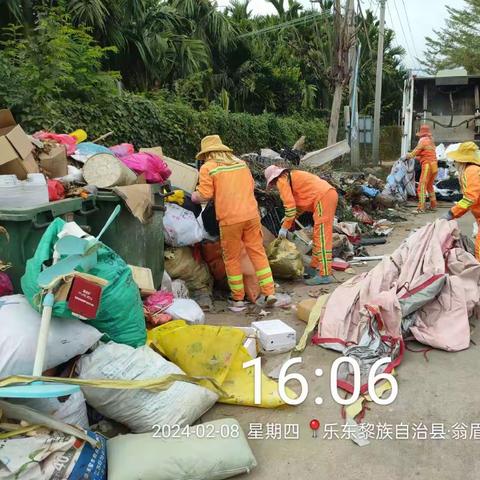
point(231, 186)
point(471, 193)
point(300, 191)
point(425, 151)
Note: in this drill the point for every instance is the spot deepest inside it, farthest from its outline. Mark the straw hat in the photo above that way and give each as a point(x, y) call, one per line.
point(212, 143)
point(467, 152)
point(272, 172)
point(424, 131)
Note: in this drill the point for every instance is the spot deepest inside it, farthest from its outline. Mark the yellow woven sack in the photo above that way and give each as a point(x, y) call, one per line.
point(216, 352)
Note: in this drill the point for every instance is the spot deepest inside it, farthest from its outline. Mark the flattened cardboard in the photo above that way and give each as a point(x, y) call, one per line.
point(20, 142)
point(155, 150)
point(16, 156)
point(54, 164)
point(144, 279)
point(7, 122)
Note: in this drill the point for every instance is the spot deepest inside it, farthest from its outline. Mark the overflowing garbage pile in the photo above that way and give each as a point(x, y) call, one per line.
point(103, 306)
point(106, 314)
point(366, 209)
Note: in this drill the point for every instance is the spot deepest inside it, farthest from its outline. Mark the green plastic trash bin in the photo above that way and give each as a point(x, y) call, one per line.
point(25, 227)
point(137, 243)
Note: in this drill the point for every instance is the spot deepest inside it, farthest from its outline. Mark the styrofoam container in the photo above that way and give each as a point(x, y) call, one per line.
point(275, 336)
point(15, 193)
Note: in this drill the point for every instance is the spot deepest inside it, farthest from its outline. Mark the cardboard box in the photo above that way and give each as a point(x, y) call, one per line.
point(84, 298)
point(144, 279)
point(16, 156)
point(54, 163)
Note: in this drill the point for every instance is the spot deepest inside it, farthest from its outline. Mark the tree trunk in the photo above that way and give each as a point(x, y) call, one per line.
point(335, 114)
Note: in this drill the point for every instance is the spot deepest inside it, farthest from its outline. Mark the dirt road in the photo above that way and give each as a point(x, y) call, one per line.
point(442, 391)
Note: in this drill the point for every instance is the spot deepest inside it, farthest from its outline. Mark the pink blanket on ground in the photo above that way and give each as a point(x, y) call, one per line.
point(430, 270)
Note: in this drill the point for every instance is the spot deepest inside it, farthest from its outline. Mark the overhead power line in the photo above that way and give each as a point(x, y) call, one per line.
point(290, 23)
point(410, 28)
point(407, 46)
point(407, 43)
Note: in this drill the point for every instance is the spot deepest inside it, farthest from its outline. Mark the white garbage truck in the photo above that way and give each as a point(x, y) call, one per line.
point(449, 102)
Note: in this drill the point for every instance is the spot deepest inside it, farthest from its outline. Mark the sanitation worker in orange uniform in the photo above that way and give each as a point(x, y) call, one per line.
point(228, 181)
point(467, 161)
point(426, 154)
point(305, 192)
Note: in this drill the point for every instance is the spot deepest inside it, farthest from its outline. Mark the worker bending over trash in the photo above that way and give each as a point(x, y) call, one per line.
point(304, 192)
point(467, 162)
point(426, 154)
point(228, 181)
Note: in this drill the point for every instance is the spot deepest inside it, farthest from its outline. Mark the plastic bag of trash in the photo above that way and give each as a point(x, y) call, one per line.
point(285, 259)
point(224, 454)
point(53, 455)
point(180, 264)
point(71, 410)
point(148, 164)
point(186, 309)
point(181, 404)
point(120, 314)
point(6, 287)
point(180, 226)
point(19, 327)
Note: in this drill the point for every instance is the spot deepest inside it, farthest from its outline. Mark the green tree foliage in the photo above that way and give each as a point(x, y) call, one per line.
point(458, 43)
point(59, 61)
point(173, 124)
point(283, 64)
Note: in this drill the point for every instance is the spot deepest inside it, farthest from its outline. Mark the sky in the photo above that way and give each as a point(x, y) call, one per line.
point(423, 16)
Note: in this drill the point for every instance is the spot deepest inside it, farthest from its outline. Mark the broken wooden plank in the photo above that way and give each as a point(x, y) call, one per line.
point(325, 155)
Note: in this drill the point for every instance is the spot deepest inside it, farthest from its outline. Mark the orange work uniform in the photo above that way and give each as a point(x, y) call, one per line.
point(305, 192)
point(426, 154)
point(470, 182)
point(231, 186)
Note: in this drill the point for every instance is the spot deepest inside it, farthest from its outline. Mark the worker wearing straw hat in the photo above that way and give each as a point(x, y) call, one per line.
point(228, 181)
point(426, 154)
point(467, 162)
point(304, 192)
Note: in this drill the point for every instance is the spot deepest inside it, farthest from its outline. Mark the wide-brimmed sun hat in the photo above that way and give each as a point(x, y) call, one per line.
point(467, 152)
point(273, 172)
point(212, 143)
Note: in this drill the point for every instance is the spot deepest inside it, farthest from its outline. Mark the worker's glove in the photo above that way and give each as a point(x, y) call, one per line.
point(447, 216)
point(282, 233)
point(403, 158)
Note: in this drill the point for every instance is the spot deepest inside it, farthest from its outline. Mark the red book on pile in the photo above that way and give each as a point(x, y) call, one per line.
point(84, 298)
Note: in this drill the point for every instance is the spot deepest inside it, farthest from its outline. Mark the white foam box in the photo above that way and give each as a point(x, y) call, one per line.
point(15, 193)
point(275, 335)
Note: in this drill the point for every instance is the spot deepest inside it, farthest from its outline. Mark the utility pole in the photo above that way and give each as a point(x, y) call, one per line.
point(340, 68)
point(352, 62)
point(378, 86)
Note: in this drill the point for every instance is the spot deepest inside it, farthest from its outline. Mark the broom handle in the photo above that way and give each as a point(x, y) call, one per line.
point(42, 341)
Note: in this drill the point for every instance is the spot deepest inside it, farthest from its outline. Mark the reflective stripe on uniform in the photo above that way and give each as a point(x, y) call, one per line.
point(235, 278)
point(265, 281)
point(227, 168)
point(465, 203)
point(322, 253)
point(264, 271)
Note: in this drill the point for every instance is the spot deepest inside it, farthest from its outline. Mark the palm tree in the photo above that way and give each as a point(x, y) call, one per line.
point(238, 11)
